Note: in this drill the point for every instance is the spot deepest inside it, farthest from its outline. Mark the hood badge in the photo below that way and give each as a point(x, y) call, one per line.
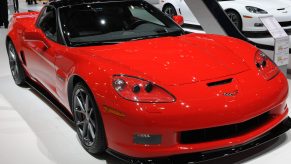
point(230, 94)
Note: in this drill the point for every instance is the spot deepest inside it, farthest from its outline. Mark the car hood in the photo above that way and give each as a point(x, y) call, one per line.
point(172, 60)
point(266, 4)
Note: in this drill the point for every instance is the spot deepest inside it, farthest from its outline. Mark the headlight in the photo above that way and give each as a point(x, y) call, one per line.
point(256, 10)
point(139, 90)
point(266, 67)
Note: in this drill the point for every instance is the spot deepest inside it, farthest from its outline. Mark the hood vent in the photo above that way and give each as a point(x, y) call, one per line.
point(217, 83)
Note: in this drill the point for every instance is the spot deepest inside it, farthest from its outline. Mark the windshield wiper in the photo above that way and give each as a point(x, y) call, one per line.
point(99, 43)
point(162, 30)
point(168, 34)
point(146, 37)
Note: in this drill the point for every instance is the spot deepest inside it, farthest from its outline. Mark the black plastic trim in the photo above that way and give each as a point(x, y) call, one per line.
point(276, 132)
point(221, 82)
point(261, 34)
point(147, 139)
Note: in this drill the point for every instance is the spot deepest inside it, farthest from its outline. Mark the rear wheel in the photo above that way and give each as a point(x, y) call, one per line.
point(170, 10)
point(16, 67)
point(235, 18)
point(89, 124)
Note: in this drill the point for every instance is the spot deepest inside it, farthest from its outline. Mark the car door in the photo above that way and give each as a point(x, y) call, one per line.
point(41, 54)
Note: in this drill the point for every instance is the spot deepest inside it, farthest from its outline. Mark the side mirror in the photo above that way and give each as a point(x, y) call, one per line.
point(179, 19)
point(35, 37)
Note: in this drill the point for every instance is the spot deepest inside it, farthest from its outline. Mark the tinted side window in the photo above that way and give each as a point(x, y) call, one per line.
point(48, 24)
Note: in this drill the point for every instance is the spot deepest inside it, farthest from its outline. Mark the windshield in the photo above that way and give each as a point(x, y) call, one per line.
point(112, 22)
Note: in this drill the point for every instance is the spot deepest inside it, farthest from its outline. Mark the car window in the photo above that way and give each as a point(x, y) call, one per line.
point(48, 24)
point(114, 22)
point(141, 14)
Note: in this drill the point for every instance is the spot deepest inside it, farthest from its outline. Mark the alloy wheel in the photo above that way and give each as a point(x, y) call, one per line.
point(234, 18)
point(170, 11)
point(13, 61)
point(84, 117)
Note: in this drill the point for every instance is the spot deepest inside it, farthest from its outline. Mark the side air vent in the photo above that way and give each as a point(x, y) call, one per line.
point(217, 83)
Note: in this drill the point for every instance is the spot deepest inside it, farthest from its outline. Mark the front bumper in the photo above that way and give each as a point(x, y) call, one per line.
point(196, 112)
point(276, 132)
point(249, 20)
point(252, 30)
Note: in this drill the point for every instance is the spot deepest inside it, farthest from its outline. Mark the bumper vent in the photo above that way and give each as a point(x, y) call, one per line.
point(223, 132)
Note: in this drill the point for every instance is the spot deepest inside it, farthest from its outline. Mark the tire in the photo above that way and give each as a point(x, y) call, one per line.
point(170, 10)
point(16, 67)
point(235, 17)
point(88, 121)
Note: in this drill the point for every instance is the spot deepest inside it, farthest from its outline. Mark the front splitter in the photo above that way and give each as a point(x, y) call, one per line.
point(276, 132)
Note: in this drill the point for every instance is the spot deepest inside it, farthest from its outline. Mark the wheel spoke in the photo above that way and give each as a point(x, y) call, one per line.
point(82, 96)
point(92, 122)
point(80, 123)
point(12, 54)
point(90, 112)
point(92, 133)
point(16, 69)
point(85, 130)
point(80, 103)
point(87, 104)
point(80, 111)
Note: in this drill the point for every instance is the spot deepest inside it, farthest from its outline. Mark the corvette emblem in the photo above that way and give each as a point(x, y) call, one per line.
point(230, 94)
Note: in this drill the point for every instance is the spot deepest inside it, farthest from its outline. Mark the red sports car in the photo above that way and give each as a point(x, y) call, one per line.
point(137, 84)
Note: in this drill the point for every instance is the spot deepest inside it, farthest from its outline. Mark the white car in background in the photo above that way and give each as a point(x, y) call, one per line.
point(244, 13)
point(175, 7)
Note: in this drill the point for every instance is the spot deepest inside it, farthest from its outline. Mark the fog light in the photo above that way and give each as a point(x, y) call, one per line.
point(147, 139)
point(259, 24)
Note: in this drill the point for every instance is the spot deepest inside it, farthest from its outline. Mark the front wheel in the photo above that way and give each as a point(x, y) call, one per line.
point(88, 121)
point(235, 18)
point(16, 67)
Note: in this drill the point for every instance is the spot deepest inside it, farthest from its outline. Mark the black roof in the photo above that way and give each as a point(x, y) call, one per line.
point(61, 3)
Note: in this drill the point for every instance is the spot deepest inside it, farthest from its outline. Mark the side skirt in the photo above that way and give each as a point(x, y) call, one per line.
point(52, 102)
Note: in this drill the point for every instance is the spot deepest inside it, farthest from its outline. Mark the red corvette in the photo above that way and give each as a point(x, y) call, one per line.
point(137, 84)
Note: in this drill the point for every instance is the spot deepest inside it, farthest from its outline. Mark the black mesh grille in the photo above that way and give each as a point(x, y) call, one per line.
point(223, 132)
point(285, 24)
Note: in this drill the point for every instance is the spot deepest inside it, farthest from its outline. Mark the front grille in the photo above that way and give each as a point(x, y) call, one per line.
point(285, 24)
point(223, 132)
